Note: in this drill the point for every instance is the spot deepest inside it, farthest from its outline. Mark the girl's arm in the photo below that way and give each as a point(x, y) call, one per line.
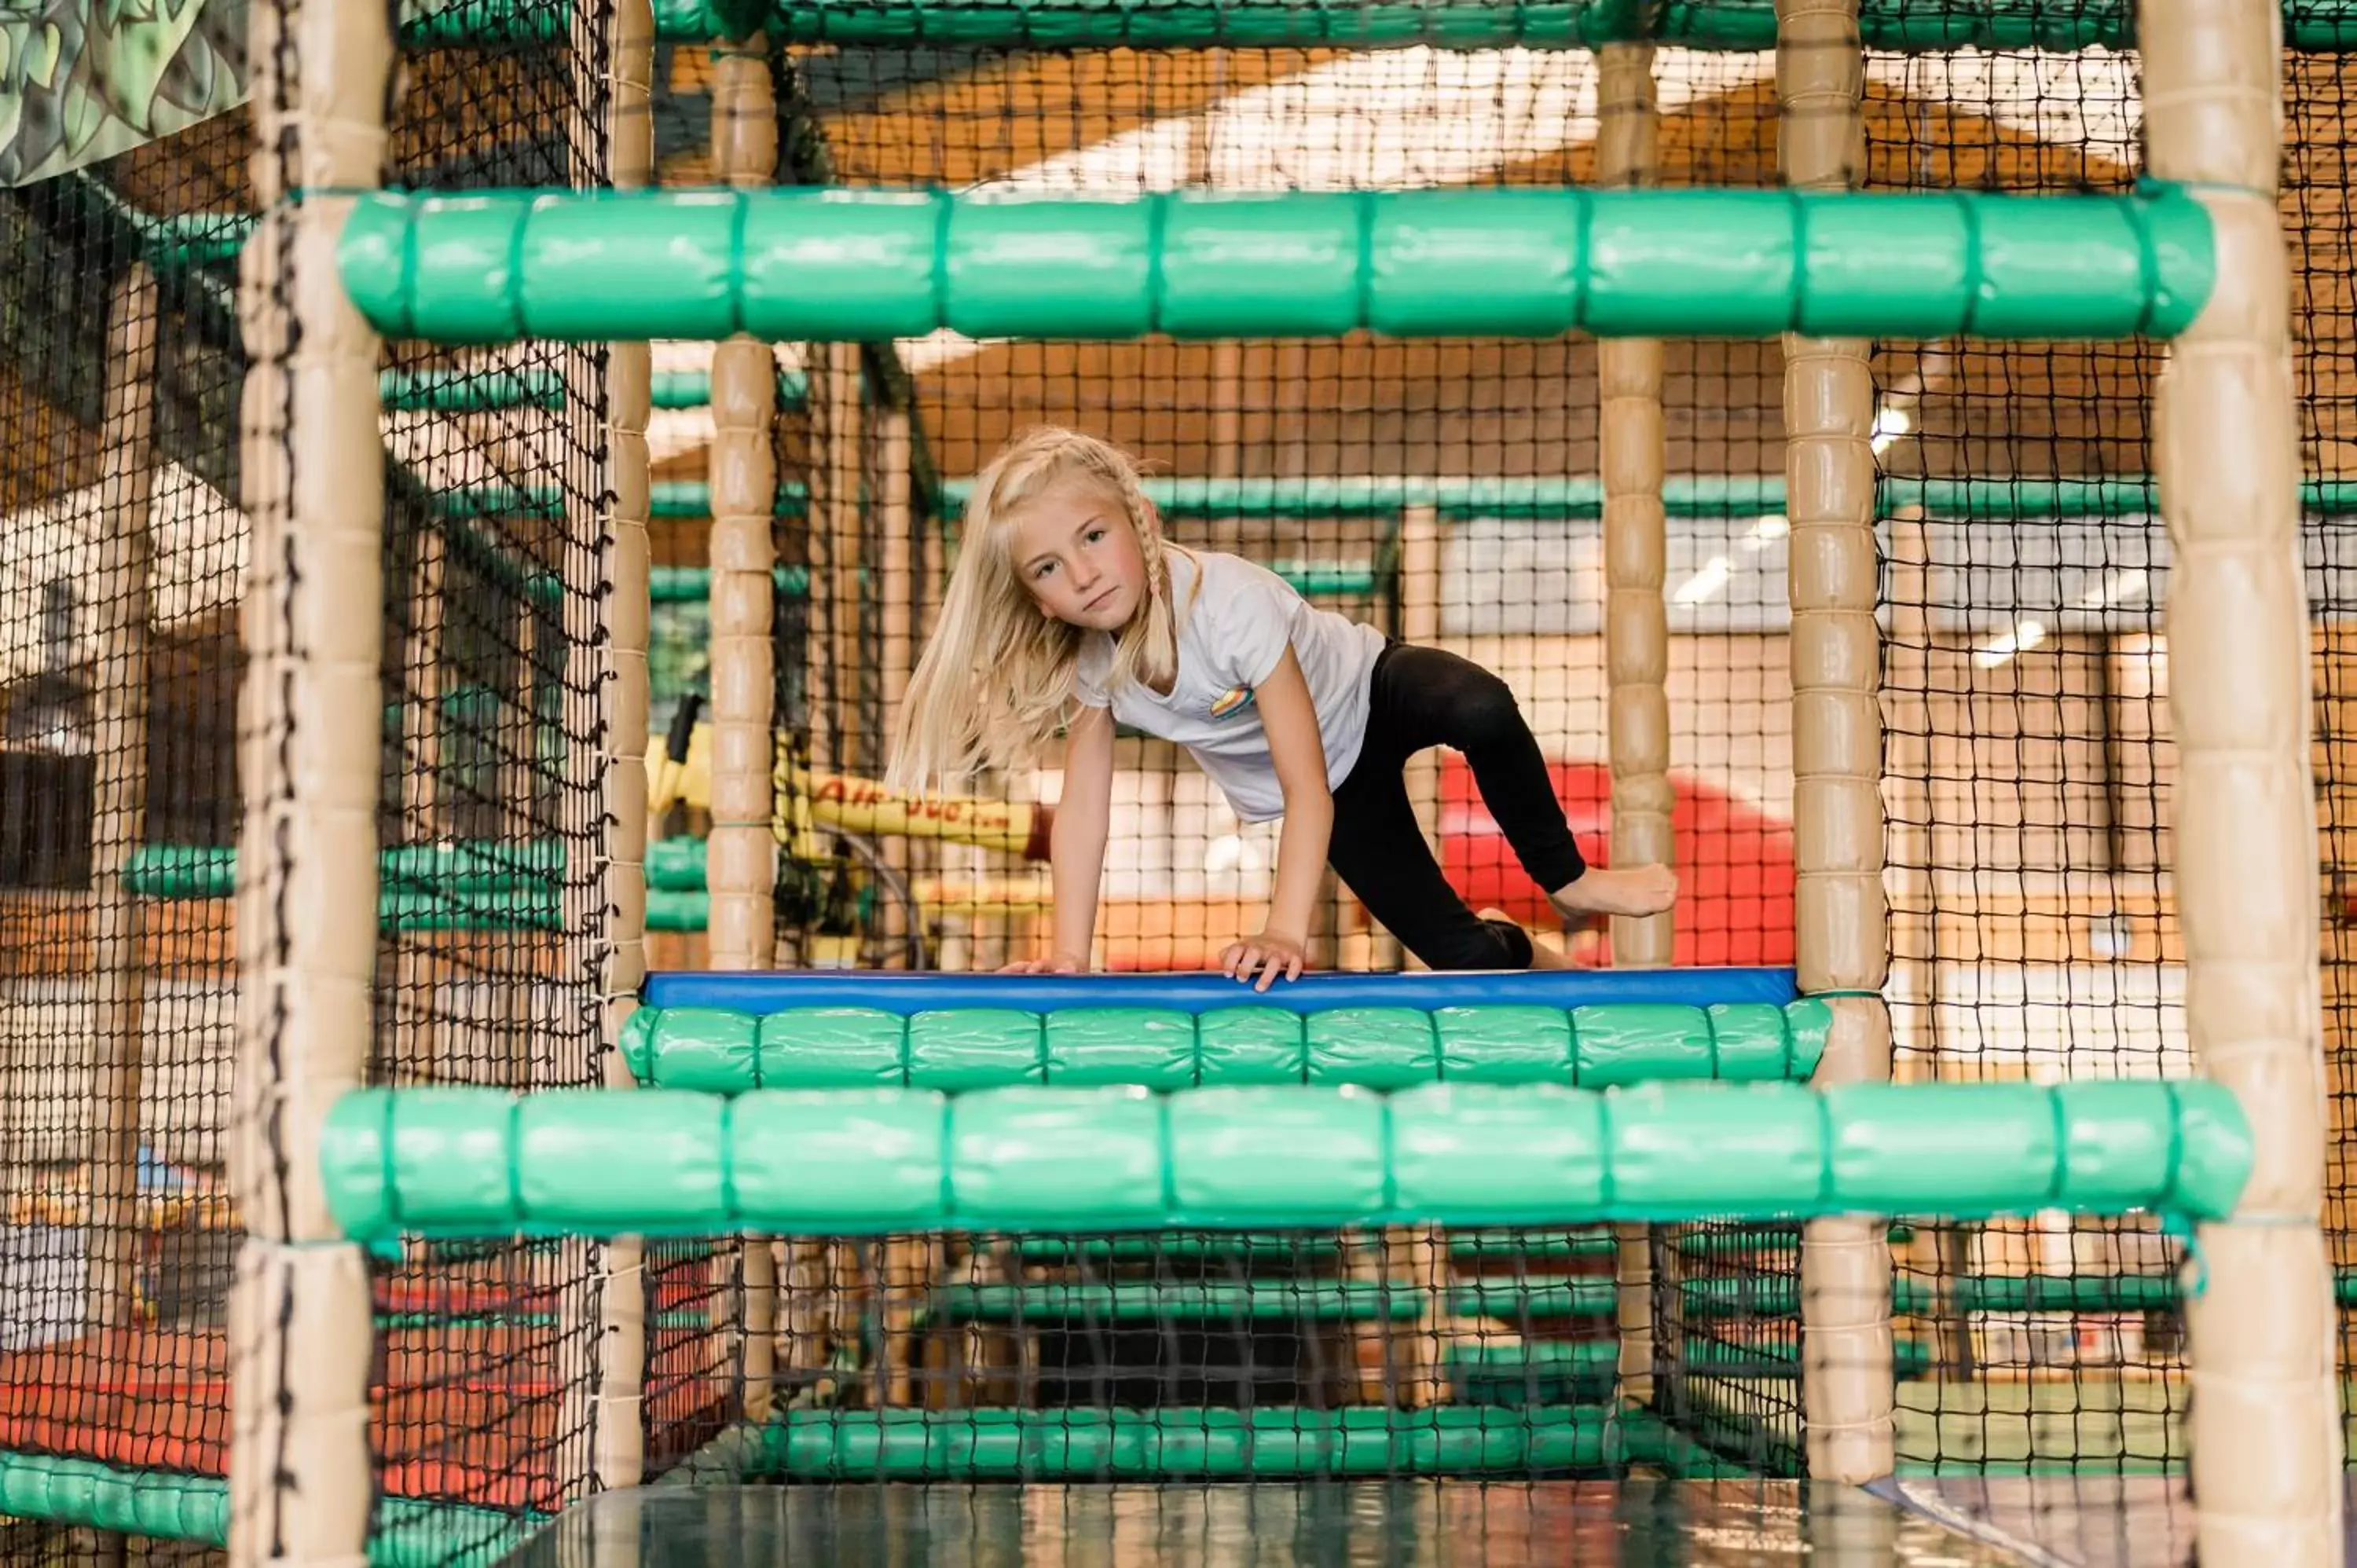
point(1298, 754)
point(1076, 843)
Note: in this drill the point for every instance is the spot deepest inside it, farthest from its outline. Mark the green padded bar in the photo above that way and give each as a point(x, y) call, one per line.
point(1539, 1296)
point(447, 391)
point(477, 1162)
point(1530, 1371)
point(1504, 1246)
point(476, 886)
point(665, 499)
point(864, 264)
point(1172, 1443)
point(2092, 1293)
point(468, 866)
point(1743, 1239)
point(2320, 25)
point(668, 910)
point(675, 1317)
point(693, 586)
point(1245, 1248)
point(677, 864)
point(1596, 1243)
point(1149, 1302)
point(1998, 496)
point(161, 1506)
point(1766, 1295)
point(1596, 1046)
point(2062, 1293)
point(1719, 1358)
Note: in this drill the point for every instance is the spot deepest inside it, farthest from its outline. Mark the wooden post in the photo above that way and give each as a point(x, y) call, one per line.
point(741, 855)
point(119, 821)
point(1630, 458)
point(1419, 572)
point(899, 597)
point(1839, 919)
point(300, 1326)
point(837, 403)
point(2267, 1423)
point(605, 1378)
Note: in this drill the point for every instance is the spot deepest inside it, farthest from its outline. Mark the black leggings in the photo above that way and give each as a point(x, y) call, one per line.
point(1424, 697)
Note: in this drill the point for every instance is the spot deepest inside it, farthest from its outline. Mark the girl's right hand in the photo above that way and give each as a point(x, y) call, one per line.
point(1063, 963)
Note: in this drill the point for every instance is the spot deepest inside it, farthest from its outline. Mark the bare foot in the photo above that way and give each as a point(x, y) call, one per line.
point(1624, 890)
point(1541, 955)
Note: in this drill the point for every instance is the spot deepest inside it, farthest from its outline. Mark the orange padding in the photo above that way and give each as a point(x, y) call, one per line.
point(159, 1399)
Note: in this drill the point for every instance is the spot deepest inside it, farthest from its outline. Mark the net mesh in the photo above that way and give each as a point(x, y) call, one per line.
point(120, 549)
point(1268, 450)
point(2316, 176)
point(491, 810)
point(2027, 772)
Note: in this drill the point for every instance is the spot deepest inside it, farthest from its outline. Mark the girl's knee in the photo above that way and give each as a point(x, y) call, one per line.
point(1486, 710)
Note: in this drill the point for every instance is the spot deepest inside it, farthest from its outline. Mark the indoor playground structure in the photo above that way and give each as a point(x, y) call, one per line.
point(490, 1074)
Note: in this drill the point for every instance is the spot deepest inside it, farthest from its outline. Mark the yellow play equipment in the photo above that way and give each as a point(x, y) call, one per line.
point(679, 772)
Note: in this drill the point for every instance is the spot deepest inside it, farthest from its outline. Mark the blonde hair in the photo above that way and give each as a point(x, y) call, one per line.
point(996, 684)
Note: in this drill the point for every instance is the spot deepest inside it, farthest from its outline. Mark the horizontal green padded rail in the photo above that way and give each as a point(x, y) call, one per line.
point(1718, 1242)
point(1219, 1249)
point(965, 1049)
point(447, 391)
point(1572, 1371)
point(1999, 497)
point(1769, 1296)
point(1148, 1303)
point(2322, 25)
point(469, 865)
point(863, 265)
point(1204, 1443)
point(674, 499)
point(163, 1505)
point(481, 1162)
point(1546, 1296)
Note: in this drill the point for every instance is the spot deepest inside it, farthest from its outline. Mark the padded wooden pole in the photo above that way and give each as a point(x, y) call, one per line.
point(1837, 850)
point(123, 601)
point(1629, 454)
point(741, 855)
point(2267, 1425)
point(310, 736)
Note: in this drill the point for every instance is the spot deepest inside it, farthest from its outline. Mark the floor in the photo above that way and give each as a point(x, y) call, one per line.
point(1658, 1524)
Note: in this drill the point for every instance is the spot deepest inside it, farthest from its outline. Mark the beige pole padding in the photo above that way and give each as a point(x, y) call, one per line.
point(612, 1376)
point(2266, 1434)
point(1630, 458)
point(121, 590)
point(741, 865)
point(1420, 560)
point(1837, 850)
point(309, 729)
point(741, 855)
point(838, 418)
point(900, 596)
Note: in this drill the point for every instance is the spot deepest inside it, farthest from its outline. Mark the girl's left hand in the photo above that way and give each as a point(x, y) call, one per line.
point(1271, 952)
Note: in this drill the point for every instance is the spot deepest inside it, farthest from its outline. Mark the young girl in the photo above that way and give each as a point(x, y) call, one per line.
point(1068, 610)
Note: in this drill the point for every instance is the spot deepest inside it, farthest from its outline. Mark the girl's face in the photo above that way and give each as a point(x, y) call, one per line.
point(1077, 555)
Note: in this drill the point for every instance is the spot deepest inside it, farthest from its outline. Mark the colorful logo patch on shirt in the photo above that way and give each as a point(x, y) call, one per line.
point(1233, 699)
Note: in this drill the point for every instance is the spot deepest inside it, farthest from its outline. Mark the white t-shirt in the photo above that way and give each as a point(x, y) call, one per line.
point(1233, 629)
